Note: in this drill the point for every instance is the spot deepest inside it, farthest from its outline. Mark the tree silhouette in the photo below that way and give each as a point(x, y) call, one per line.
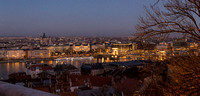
point(177, 16)
point(177, 75)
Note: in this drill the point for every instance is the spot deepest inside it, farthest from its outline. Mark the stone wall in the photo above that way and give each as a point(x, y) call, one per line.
point(7, 89)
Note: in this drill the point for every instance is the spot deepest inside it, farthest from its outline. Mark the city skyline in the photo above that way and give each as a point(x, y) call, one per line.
point(70, 18)
point(99, 47)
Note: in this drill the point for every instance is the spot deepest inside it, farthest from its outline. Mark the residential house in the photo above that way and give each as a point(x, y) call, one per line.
point(35, 69)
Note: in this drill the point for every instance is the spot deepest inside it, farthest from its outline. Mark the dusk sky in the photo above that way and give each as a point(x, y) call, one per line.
point(70, 17)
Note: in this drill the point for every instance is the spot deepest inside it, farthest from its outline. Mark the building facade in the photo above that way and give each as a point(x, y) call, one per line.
point(3, 54)
point(15, 54)
point(81, 47)
point(38, 53)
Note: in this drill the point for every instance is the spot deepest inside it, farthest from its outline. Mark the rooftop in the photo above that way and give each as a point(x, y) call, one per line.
point(128, 63)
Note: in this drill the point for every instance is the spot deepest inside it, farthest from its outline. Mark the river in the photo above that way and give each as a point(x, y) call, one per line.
point(7, 68)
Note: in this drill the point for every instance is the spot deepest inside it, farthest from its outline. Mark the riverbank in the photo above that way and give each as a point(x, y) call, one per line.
point(25, 60)
point(38, 59)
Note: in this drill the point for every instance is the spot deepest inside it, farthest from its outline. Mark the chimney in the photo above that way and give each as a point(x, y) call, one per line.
point(113, 81)
point(70, 83)
point(50, 82)
point(67, 78)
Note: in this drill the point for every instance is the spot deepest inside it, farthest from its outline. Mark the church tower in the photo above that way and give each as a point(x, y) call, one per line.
point(45, 40)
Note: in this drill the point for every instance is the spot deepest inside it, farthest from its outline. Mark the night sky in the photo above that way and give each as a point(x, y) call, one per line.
point(70, 17)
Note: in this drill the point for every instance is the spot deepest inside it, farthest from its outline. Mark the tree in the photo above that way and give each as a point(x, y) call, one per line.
point(177, 16)
point(184, 76)
point(173, 77)
point(181, 75)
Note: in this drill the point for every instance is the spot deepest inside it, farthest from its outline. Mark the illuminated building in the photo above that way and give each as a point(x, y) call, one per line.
point(123, 48)
point(38, 53)
point(15, 54)
point(81, 47)
point(3, 54)
point(58, 48)
point(144, 51)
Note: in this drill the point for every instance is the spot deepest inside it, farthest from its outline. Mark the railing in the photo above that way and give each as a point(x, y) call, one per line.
point(7, 89)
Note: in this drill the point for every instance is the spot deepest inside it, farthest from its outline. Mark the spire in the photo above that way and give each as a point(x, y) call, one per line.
point(44, 35)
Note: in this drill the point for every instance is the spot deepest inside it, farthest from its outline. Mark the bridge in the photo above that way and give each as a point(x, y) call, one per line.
point(75, 58)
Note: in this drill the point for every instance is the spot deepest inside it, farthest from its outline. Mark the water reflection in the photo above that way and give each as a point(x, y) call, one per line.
point(16, 66)
point(23, 64)
point(10, 67)
point(7, 68)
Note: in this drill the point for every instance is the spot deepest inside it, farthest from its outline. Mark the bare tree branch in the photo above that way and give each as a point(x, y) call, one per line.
point(178, 16)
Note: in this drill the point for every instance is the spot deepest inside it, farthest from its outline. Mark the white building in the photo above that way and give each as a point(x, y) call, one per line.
point(81, 47)
point(15, 54)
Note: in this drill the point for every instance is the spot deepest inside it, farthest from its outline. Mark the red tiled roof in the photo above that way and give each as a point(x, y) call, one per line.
point(41, 67)
point(94, 80)
point(78, 83)
point(128, 86)
point(19, 76)
point(100, 81)
point(69, 94)
point(43, 88)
